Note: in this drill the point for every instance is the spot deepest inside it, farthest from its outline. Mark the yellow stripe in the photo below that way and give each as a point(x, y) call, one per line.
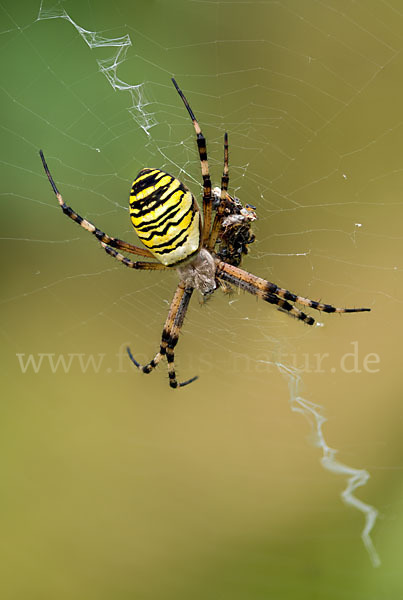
point(172, 200)
point(183, 227)
point(150, 190)
point(160, 211)
point(175, 184)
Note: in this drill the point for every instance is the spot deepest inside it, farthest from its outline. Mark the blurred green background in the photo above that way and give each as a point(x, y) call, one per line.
point(113, 485)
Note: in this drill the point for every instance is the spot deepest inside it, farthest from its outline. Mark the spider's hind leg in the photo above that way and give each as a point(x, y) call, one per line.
point(272, 293)
point(170, 335)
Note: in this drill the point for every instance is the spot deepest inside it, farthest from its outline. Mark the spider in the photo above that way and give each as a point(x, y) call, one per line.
point(206, 253)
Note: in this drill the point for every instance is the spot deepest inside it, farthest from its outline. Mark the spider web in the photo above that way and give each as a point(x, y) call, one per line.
point(309, 93)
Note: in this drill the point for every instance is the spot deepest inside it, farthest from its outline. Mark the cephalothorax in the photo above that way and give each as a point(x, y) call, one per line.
point(205, 252)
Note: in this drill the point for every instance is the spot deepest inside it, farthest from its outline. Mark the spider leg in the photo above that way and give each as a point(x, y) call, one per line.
point(264, 289)
point(201, 145)
point(173, 309)
point(174, 336)
point(170, 334)
point(215, 230)
point(285, 306)
point(100, 235)
point(282, 304)
point(145, 266)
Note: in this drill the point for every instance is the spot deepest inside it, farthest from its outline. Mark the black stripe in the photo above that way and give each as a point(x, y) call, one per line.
point(169, 215)
point(171, 345)
point(289, 296)
point(201, 144)
point(274, 289)
point(284, 305)
point(155, 195)
point(162, 218)
point(72, 214)
point(154, 200)
point(170, 242)
point(141, 211)
point(169, 250)
point(139, 186)
point(166, 228)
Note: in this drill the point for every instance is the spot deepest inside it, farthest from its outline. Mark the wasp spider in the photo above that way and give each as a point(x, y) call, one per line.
point(205, 252)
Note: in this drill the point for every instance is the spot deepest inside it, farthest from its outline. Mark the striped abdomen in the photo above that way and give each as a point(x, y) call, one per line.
point(165, 216)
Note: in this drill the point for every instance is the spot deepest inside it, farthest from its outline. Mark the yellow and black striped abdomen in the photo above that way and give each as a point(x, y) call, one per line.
point(165, 216)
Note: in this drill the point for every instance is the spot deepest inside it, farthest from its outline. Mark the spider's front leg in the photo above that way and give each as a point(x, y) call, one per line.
point(202, 148)
point(170, 335)
point(215, 230)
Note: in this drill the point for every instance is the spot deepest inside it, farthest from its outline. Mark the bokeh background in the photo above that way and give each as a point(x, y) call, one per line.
point(112, 484)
